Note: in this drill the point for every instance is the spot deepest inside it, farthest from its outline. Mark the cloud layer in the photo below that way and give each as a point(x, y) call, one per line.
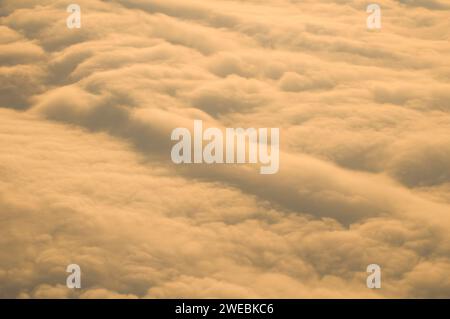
point(85, 171)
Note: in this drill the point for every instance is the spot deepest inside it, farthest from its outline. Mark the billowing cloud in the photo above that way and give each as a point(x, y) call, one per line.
point(85, 170)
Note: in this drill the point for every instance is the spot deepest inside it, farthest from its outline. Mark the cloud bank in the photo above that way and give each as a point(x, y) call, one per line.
point(85, 171)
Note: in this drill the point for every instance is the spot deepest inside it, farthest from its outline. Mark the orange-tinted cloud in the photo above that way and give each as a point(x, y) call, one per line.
point(85, 170)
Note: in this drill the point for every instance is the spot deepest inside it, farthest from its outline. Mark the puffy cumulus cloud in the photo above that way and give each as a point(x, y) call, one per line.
point(85, 171)
point(295, 83)
point(230, 95)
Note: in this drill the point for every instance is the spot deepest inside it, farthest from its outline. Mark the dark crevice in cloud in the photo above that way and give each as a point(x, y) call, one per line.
point(429, 4)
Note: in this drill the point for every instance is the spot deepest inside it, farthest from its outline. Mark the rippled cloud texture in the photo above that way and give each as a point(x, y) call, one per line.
point(85, 170)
